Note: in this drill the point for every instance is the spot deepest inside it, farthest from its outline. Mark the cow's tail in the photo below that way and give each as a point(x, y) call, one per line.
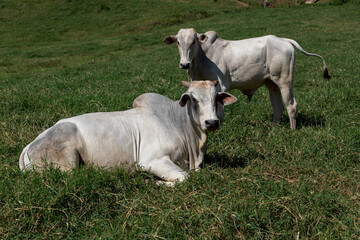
point(295, 44)
point(24, 158)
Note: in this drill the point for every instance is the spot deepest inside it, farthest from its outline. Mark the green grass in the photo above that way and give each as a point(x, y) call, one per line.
point(65, 58)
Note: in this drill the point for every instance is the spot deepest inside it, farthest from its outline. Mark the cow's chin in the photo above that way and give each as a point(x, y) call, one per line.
point(209, 129)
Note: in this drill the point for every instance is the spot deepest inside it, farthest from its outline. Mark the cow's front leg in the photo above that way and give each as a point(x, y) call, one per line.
point(165, 169)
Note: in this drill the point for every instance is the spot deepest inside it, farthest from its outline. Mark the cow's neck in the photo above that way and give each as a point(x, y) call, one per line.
point(196, 141)
point(196, 70)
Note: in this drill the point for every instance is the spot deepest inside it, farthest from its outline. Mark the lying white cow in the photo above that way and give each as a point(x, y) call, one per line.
point(245, 64)
point(158, 135)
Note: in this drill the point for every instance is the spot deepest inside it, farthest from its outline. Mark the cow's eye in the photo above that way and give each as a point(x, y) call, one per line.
point(193, 42)
point(177, 42)
point(195, 104)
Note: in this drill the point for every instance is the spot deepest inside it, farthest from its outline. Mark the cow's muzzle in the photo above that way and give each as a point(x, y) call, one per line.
point(212, 124)
point(184, 65)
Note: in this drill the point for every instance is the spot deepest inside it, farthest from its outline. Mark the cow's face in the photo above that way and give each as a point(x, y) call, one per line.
point(202, 100)
point(188, 43)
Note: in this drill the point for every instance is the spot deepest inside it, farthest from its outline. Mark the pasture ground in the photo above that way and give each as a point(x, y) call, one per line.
point(64, 58)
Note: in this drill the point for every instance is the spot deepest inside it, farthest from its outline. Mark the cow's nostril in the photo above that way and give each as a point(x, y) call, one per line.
point(184, 65)
point(212, 124)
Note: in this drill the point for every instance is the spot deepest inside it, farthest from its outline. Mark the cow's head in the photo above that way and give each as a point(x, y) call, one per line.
point(202, 101)
point(188, 43)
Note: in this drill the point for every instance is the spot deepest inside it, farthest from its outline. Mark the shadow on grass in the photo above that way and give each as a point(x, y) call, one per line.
point(224, 161)
point(303, 120)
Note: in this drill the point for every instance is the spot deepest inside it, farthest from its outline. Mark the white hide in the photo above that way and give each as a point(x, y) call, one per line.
point(244, 64)
point(158, 135)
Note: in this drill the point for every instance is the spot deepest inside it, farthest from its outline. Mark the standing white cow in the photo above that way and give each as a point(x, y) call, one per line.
point(245, 64)
point(158, 135)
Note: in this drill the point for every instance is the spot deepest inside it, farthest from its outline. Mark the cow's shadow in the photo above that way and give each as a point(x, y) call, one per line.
point(302, 120)
point(224, 161)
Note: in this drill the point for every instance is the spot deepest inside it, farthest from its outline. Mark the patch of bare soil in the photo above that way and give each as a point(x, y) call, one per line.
point(242, 3)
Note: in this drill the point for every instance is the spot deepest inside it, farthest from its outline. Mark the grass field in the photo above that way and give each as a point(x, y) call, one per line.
point(64, 58)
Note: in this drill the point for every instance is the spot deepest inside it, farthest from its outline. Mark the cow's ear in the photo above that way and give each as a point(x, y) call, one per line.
point(184, 99)
point(202, 37)
point(186, 84)
point(170, 39)
point(226, 98)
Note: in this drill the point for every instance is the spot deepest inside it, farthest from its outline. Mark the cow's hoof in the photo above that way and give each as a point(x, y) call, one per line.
point(165, 183)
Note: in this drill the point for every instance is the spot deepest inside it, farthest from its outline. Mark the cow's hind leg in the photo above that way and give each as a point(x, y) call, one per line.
point(58, 148)
point(281, 72)
point(275, 98)
point(290, 103)
point(165, 169)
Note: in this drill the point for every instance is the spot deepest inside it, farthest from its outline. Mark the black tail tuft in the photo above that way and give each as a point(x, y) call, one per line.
point(326, 74)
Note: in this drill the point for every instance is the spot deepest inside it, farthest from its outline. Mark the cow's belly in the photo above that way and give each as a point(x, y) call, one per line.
point(249, 77)
point(111, 151)
point(246, 63)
